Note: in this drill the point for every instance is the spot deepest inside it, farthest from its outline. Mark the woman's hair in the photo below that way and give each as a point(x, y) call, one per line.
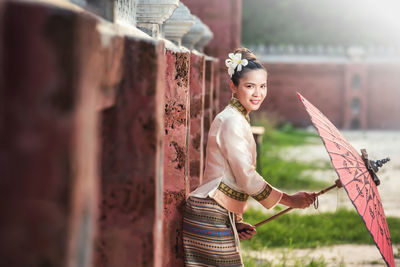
point(253, 64)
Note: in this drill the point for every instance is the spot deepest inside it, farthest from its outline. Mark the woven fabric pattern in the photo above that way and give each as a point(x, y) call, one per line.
point(208, 238)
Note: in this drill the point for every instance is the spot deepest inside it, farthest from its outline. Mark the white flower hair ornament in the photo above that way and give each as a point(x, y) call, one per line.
point(235, 60)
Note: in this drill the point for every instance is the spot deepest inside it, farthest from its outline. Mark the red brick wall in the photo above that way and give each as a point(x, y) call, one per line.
point(329, 87)
point(320, 84)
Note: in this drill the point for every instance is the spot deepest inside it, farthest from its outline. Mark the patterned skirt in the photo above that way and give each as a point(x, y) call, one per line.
point(208, 236)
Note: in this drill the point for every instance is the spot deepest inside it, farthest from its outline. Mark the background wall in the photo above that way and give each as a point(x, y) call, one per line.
point(330, 87)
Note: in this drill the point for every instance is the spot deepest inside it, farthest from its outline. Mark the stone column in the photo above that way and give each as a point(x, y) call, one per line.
point(197, 64)
point(178, 24)
point(151, 14)
point(49, 69)
point(208, 99)
point(131, 161)
point(176, 156)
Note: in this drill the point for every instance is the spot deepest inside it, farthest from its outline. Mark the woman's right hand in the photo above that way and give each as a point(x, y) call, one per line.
point(300, 200)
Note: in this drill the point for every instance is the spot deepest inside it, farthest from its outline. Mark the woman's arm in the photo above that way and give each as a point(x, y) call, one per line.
point(299, 200)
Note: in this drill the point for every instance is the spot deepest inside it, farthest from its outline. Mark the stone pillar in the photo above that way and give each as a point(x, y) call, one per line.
point(178, 24)
point(151, 14)
point(196, 128)
point(48, 127)
point(176, 182)
point(132, 160)
point(208, 99)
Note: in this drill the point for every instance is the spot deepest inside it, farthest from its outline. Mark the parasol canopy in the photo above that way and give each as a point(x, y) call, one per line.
point(356, 180)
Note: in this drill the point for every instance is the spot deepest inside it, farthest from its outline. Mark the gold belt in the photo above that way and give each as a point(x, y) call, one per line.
point(232, 193)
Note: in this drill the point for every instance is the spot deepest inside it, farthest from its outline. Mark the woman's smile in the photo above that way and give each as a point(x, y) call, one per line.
point(252, 89)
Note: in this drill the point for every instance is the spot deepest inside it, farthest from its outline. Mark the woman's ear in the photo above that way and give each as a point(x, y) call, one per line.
point(232, 87)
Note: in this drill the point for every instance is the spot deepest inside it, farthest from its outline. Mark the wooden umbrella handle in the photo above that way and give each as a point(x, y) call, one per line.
point(337, 184)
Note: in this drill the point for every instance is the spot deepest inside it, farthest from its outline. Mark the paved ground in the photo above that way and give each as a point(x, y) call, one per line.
point(333, 256)
point(379, 144)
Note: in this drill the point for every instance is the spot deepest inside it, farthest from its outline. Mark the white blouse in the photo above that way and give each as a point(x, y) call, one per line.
point(230, 175)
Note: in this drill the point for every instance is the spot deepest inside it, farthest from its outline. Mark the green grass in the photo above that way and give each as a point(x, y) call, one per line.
point(310, 231)
point(284, 173)
point(287, 135)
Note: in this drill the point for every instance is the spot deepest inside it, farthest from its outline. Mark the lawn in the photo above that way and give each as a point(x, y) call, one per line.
point(308, 231)
point(289, 174)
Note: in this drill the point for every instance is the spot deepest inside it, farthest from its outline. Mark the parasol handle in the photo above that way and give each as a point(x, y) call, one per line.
point(337, 184)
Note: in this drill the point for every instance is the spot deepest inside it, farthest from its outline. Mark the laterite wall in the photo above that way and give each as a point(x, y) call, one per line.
point(102, 133)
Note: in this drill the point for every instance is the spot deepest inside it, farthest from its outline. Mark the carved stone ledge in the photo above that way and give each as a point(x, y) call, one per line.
point(125, 12)
point(151, 14)
point(194, 35)
point(205, 39)
point(178, 24)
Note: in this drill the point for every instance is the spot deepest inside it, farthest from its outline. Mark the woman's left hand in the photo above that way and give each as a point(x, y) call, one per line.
point(245, 230)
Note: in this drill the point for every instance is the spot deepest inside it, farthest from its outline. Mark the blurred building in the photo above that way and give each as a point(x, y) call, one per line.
point(356, 88)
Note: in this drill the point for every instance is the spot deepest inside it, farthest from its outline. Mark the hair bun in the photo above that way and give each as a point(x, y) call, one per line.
point(246, 54)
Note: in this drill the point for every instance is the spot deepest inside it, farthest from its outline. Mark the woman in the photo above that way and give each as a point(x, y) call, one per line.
point(212, 224)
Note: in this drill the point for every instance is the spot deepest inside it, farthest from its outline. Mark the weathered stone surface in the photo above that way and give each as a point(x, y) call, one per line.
point(132, 158)
point(176, 183)
point(197, 64)
point(48, 128)
point(174, 203)
point(176, 119)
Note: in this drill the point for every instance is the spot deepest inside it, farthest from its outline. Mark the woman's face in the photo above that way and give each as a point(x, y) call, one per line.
point(252, 89)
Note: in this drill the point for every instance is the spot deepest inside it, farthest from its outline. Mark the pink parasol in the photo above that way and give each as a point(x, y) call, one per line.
point(357, 175)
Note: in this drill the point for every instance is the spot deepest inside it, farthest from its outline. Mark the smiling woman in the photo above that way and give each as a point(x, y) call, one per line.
point(212, 223)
